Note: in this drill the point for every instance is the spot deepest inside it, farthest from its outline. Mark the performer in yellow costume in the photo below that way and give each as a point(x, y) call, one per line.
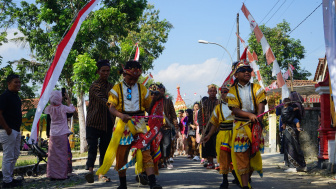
point(126, 99)
point(222, 118)
point(246, 100)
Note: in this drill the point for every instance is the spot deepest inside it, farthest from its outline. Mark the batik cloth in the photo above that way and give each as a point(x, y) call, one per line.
point(293, 154)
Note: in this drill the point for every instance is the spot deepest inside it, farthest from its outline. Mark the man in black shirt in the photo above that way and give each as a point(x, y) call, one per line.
point(10, 136)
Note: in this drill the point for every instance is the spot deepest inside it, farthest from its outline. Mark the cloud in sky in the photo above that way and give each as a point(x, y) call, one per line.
point(193, 78)
point(12, 51)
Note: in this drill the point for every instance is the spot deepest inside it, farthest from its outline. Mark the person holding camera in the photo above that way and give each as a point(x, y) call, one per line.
point(57, 166)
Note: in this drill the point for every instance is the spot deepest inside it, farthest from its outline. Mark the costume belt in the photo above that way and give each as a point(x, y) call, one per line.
point(225, 126)
point(138, 113)
point(241, 119)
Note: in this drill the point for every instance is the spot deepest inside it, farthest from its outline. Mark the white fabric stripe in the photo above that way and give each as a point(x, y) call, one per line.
point(147, 94)
point(56, 73)
point(231, 95)
point(253, 23)
point(259, 91)
point(276, 68)
point(264, 44)
point(114, 92)
point(214, 113)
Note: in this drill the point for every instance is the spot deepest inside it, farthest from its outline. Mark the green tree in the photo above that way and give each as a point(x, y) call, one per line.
point(105, 34)
point(83, 69)
point(286, 50)
point(27, 90)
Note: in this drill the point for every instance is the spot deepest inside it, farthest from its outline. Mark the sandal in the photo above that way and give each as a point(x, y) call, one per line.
point(104, 179)
point(89, 177)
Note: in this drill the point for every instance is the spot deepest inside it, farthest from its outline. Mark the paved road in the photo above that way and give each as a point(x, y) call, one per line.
point(190, 174)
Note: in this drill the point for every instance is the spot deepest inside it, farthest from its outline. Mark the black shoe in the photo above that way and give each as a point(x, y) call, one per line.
point(12, 184)
point(224, 186)
point(122, 187)
point(156, 186)
point(142, 178)
point(18, 181)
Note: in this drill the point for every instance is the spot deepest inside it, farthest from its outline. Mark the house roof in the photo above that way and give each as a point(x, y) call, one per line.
point(303, 87)
point(28, 104)
point(321, 69)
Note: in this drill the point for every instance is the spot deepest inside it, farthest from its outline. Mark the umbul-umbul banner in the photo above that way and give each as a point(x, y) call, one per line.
point(56, 66)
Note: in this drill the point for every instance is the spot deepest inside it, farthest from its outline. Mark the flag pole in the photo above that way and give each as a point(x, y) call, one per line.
point(292, 80)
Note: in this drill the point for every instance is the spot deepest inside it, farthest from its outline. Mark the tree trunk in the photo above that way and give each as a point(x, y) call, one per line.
point(82, 125)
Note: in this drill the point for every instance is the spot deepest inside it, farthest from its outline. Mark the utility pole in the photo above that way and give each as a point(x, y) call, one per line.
point(238, 44)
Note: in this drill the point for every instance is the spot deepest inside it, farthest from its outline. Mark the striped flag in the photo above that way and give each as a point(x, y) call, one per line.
point(56, 66)
point(150, 76)
point(276, 71)
point(137, 53)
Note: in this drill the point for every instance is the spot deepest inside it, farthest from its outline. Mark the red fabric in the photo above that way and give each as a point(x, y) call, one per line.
point(255, 57)
point(269, 56)
point(280, 80)
point(258, 33)
point(256, 138)
point(245, 11)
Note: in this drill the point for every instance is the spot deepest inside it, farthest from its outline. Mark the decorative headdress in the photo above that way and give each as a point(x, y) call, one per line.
point(242, 63)
point(133, 68)
point(153, 87)
point(212, 86)
point(235, 66)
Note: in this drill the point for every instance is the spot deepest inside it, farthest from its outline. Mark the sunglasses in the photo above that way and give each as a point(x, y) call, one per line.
point(155, 93)
point(129, 94)
point(243, 70)
point(226, 92)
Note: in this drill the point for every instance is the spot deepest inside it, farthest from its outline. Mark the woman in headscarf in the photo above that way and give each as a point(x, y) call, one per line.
point(57, 166)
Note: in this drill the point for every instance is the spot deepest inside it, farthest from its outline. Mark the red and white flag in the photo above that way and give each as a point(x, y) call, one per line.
point(137, 52)
point(56, 67)
point(276, 71)
point(286, 74)
point(291, 68)
point(150, 76)
point(195, 94)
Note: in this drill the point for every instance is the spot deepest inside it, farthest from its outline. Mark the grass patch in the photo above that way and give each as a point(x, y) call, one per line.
point(31, 159)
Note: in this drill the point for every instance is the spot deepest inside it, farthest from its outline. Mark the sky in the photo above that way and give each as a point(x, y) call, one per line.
point(193, 65)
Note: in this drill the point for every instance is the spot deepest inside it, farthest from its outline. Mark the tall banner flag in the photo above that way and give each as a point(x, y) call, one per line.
point(276, 71)
point(137, 53)
point(329, 23)
point(56, 66)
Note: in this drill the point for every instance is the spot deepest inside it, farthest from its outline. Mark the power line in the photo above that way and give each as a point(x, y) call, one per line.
point(305, 19)
point(270, 11)
point(234, 23)
point(276, 11)
point(285, 10)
